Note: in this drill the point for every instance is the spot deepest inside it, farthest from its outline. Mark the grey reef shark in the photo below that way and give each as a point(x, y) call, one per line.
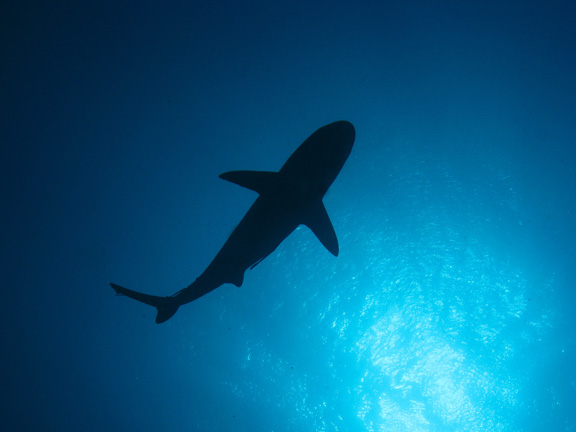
point(287, 198)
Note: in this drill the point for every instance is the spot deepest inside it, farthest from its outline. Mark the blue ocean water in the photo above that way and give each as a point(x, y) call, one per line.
point(450, 306)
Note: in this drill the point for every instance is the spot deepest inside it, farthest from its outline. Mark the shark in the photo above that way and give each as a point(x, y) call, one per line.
point(286, 199)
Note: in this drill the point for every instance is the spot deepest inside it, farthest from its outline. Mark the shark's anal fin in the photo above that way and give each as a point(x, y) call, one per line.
point(258, 181)
point(318, 221)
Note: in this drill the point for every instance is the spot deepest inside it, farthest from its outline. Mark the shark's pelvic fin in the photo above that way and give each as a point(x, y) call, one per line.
point(318, 221)
point(258, 181)
point(167, 306)
point(238, 279)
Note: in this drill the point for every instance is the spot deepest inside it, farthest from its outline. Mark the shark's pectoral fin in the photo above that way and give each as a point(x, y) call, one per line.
point(258, 181)
point(318, 221)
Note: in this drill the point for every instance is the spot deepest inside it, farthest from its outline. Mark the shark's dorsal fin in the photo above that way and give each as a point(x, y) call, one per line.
point(258, 181)
point(318, 221)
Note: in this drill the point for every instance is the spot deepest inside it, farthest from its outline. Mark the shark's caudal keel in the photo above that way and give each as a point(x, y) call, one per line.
point(287, 198)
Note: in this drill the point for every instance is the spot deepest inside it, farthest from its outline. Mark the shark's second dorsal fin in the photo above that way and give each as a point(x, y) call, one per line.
point(258, 181)
point(318, 221)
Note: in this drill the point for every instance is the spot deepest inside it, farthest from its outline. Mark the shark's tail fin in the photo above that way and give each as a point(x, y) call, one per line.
point(167, 306)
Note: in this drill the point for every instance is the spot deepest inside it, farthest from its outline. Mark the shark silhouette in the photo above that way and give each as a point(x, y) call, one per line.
point(287, 199)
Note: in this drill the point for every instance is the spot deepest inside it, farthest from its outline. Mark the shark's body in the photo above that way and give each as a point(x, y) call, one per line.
point(288, 198)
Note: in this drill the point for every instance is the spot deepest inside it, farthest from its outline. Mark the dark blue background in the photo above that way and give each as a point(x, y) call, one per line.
point(450, 307)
